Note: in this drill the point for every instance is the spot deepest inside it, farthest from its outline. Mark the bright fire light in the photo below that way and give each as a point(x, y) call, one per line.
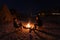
point(28, 25)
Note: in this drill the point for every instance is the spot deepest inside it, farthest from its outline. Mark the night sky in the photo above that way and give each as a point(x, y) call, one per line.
point(27, 6)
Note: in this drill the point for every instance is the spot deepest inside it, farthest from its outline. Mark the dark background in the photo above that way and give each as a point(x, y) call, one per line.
point(28, 6)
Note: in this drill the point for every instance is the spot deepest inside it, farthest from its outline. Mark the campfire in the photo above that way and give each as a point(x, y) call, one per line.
point(28, 25)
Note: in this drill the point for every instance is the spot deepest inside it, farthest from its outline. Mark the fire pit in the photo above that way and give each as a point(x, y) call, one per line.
point(28, 25)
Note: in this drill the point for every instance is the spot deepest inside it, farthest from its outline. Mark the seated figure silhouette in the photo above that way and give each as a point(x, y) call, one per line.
point(38, 21)
point(15, 23)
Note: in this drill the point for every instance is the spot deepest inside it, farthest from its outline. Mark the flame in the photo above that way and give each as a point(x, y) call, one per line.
point(28, 25)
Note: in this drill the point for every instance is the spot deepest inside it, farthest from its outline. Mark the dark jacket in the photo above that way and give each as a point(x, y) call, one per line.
point(15, 24)
point(39, 21)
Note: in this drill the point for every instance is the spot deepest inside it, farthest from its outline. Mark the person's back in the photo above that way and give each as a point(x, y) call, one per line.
point(15, 23)
point(38, 21)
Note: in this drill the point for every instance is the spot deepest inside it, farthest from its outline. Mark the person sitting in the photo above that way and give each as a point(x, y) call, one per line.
point(15, 23)
point(38, 21)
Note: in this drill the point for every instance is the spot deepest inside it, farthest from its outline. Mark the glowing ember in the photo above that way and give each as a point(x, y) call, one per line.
point(28, 25)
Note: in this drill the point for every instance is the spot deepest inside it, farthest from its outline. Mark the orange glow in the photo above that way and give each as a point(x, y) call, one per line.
point(28, 25)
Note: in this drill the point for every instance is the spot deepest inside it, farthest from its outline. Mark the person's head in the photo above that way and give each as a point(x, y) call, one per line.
point(39, 14)
point(36, 18)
